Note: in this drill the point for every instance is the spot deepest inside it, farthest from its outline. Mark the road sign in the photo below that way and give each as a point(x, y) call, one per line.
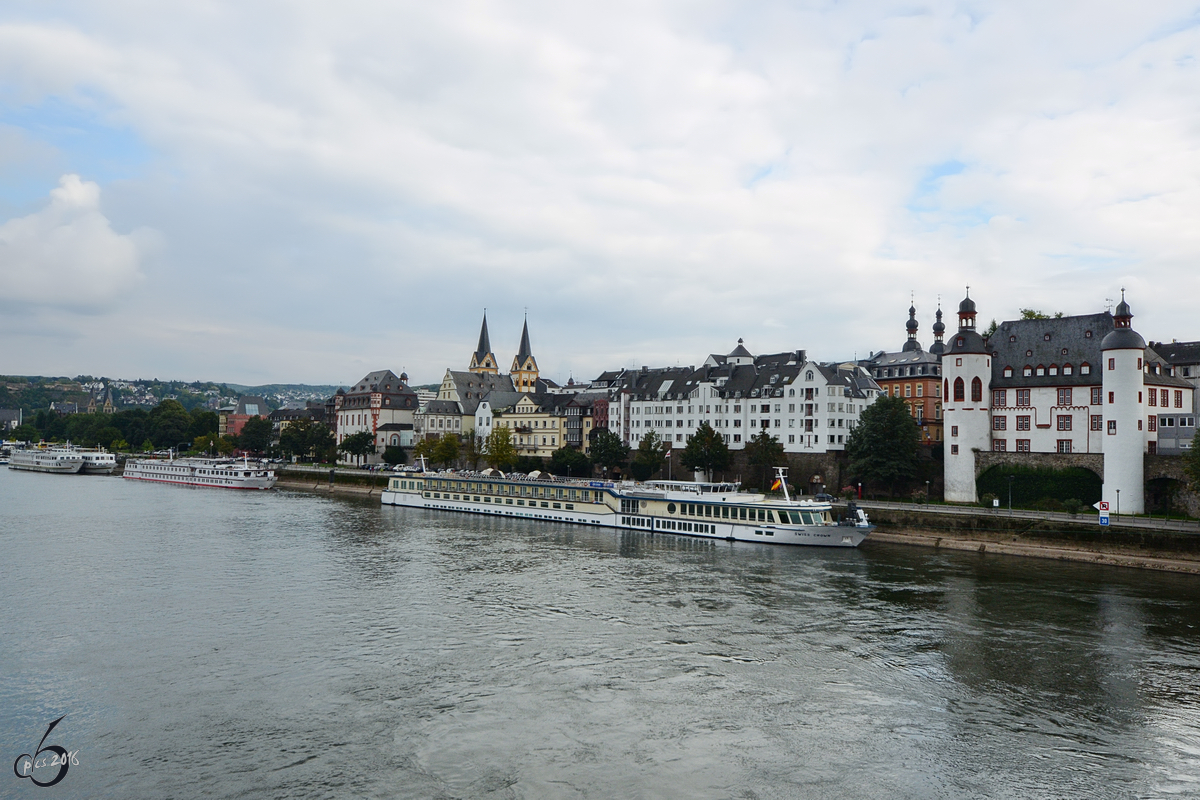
point(1104, 507)
point(1104, 519)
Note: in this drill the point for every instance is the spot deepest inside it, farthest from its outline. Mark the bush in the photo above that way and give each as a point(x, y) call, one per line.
point(1032, 485)
point(1072, 505)
point(394, 454)
point(987, 500)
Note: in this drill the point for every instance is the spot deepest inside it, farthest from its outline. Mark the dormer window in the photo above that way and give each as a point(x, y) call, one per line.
point(1041, 370)
point(1027, 371)
point(1008, 372)
point(1085, 368)
point(1053, 369)
point(1012, 338)
point(1087, 334)
point(1028, 353)
point(1067, 369)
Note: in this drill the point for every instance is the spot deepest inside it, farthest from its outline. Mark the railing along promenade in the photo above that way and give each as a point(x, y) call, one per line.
point(1118, 520)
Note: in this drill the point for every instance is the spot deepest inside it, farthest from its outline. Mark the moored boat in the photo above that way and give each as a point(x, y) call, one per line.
point(217, 473)
point(43, 458)
point(709, 510)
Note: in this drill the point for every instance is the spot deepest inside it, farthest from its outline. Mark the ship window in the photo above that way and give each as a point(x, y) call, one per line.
point(725, 512)
point(742, 513)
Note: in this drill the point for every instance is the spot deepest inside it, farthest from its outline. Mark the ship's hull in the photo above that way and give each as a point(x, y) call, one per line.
point(98, 464)
point(600, 515)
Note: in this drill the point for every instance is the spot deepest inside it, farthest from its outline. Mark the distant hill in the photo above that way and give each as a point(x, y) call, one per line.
point(283, 388)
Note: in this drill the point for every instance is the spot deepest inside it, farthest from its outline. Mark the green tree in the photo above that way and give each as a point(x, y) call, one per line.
point(358, 445)
point(649, 457)
point(472, 451)
point(763, 453)
point(447, 450)
point(147, 446)
point(706, 451)
point(26, 433)
point(1191, 463)
point(295, 439)
point(498, 449)
point(883, 448)
point(256, 435)
point(425, 449)
point(203, 422)
point(570, 462)
point(108, 435)
point(394, 454)
point(170, 424)
point(608, 450)
point(118, 445)
point(321, 443)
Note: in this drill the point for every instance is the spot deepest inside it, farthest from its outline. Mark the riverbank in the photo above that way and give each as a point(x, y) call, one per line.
point(1051, 536)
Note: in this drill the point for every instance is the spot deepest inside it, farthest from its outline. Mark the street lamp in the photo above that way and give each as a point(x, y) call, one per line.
point(926, 491)
point(1010, 480)
point(1118, 502)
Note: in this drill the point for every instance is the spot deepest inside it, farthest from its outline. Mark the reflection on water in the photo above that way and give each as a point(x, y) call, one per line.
point(285, 645)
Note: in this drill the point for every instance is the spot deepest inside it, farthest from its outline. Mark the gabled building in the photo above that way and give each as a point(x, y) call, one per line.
point(232, 420)
point(381, 402)
point(1071, 385)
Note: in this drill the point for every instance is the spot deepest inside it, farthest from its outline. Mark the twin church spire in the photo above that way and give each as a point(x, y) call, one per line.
point(524, 367)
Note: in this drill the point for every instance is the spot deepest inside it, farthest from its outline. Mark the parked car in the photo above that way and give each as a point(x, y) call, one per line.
point(824, 497)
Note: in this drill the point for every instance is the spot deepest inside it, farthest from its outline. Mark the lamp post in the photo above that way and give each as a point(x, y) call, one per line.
point(860, 490)
point(926, 491)
point(1010, 480)
point(1118, 502)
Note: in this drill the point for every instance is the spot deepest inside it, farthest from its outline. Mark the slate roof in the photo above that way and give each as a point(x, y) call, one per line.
point(383, 381)
point(1013, 339)
point(1178, 353)
point(473, 387)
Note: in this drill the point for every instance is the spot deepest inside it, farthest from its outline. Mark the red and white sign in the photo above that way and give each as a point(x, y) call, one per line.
point(1103, 506)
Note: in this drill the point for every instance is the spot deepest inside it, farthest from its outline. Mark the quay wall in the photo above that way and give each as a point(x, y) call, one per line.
point(1083, 541)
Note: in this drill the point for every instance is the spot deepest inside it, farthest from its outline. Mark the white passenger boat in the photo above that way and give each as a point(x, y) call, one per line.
point(44, 458)
point(709, 510)
point(219, 473)
point(96, 460)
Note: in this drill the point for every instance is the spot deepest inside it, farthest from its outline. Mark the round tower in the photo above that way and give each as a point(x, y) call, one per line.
point(1124, 440)
point(967, 371)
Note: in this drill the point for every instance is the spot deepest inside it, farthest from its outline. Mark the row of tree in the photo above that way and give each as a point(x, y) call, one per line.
point(166, 425)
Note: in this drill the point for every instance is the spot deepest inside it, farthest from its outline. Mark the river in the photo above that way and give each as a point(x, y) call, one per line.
point(208, 643)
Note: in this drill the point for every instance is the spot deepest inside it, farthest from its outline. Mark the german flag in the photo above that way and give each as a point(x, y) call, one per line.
point(776, 484)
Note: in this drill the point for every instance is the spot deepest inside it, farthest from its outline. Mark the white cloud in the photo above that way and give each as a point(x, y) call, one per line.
point(653, 173)
point(67, 254)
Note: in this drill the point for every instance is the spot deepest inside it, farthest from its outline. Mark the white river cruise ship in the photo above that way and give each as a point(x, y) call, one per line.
point(220, 473)
point(42, 458)
point(709, 510)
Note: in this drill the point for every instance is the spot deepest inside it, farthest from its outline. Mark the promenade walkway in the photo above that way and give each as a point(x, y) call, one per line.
point(1118, 521)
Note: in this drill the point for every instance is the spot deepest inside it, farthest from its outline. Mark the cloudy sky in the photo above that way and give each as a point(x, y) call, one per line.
point(305, 191)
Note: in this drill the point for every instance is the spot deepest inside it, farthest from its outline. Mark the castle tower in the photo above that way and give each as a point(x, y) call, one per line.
point(912, 345)
point(939, 328)
point(1124, 441)
point(967, 367)
point(524, 367)
point(483, 361)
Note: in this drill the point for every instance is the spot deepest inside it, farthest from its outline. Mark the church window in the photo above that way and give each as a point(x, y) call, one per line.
point(976, 390)
point(960, 393)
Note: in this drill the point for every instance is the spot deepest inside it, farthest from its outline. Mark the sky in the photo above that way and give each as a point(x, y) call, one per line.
point(303, 192)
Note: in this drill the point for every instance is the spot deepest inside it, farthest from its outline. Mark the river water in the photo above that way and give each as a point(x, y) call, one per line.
point(204, 643)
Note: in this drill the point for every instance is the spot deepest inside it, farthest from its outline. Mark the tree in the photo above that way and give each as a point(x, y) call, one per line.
point(256, 435)
point(26, 433)
point(211, 443)
point(358, 445)
point(498, 449)
point(608, 450)
point(1191, 463)
point(706, 451)
point(1032, 313)
point(147, 446)
point(447, 449)
point(883, 448)
point(425, 449)
point(650, 455)
point(570, 462)
point(170, 424)
point(321, 443)
point(763, 453)
point(295, 438)
point(394, 454)
point(472, 449)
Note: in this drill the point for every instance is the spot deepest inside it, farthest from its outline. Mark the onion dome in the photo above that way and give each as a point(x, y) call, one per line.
point(939, 327)
point(1123, 336)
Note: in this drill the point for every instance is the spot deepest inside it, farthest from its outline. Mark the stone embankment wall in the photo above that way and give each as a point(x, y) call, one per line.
point(1085, 541)
point(363, 484)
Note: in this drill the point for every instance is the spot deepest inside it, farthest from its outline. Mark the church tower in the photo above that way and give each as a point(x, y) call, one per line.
point(967, 367)
point(1124, 441)
point(912, 345)
point(524, 366)
point(483, 361)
